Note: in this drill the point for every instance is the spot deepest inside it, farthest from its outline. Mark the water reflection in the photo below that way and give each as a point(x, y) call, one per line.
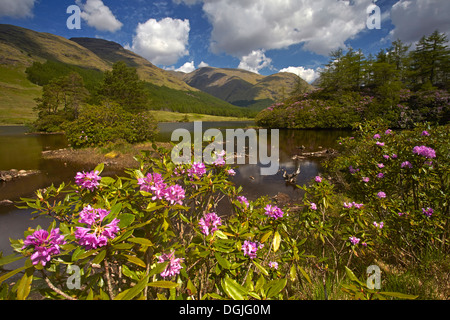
point(19, 150)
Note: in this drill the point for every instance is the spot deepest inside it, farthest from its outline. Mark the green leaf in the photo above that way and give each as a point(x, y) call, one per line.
point(135, 260)
point(223, 262)
point(261, 268)
point(11, 273)
point(107, 180)
point(352, 276)
point(163, 284)
point(274, 287)
point(276, 241)
point(190, 286)
point(142, 241)
point(293, 273)
point(233, 289)
point(24, 288)
point(126, 219)
point(99, 257)
point(100, 168)
point(266, 236)
point(134, 291)
point(9, 259)
point(303, 272)
point(399, 295)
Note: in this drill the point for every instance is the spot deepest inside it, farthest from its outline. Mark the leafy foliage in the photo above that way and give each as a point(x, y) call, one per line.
point(399, 86)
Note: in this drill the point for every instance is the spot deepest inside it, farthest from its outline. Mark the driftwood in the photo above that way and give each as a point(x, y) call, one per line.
point(321, 153)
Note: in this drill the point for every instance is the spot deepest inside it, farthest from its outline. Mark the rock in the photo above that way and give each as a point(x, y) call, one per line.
point(9, 175)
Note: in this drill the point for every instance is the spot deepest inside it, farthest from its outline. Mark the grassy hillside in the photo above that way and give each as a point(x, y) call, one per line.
point(112, 52)
point(48, 56)
point(17, 96)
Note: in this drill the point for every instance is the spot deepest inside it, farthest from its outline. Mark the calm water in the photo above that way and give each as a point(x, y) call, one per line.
point(19, 150)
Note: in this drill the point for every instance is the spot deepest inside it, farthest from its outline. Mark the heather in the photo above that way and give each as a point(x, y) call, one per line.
point(171, 231)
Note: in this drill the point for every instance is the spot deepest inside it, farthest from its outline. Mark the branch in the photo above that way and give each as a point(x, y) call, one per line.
point(58, 291)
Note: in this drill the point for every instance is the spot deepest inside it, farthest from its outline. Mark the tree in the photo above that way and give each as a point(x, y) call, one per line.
point(431, 61)
point(60, 102)
point(122, 86)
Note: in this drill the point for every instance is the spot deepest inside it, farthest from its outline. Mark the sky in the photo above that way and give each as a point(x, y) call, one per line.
point(262, 36)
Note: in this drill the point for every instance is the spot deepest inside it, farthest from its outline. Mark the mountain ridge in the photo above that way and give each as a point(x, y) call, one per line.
point(242, 87)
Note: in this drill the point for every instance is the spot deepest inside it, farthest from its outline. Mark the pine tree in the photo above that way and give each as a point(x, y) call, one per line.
point(122, 86)
point(430, 61)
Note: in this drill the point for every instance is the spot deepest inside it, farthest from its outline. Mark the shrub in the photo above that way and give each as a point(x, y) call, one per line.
point(101, 125)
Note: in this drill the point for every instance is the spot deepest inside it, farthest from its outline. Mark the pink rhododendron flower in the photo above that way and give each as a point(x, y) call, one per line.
point(209, 223)
point(273, 211)
point(428, 211)
point(174, 194)
point(273, 264)
point(88, 180)
point(174, 266)
point(406, 164)
point(318, 179)
point(250, 248)
point(197, 170)
point(354, 240)
point(243, 200)
point(313, 206)
point(424, 151)
point(95, 235)
point(45, 245)
point(381, 194)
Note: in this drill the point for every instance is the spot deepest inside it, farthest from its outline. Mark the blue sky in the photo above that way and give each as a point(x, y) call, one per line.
point(263, 36)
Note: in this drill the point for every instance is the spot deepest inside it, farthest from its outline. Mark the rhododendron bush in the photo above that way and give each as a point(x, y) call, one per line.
point(170, 231)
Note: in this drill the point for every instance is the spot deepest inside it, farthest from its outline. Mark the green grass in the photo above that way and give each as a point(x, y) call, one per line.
point(168, 116)
point(17, 96)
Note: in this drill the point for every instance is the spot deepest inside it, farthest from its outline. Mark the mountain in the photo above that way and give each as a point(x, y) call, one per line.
point(20, 48)
point(244, 88)
point(112, 52)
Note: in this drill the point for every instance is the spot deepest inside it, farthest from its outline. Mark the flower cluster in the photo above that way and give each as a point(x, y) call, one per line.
point(424, 151)
point(174, 266)
point(220, 161)
point(197, 170)
point(406, 164)
point(349, 205)
point(378, 225)
point(209, 223)
point(313, 206)
point(273, 211)
point(95, 235)
point(154, 183)
point(45, 245)
point(428, 211)
point(354, 240)
point(88, 180)
point(381, 195)
point(243, 200)
point(250, 248)
point(318, 179)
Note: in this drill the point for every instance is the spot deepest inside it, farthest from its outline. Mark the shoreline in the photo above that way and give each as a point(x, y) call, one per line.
point(114, 159)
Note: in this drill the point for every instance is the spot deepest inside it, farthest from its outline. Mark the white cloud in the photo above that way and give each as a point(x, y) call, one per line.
point(162, 42)
point(242, 26)
point(99, 16)
point(413, 19)
point(203, 64)
point(16, 8)
point(255, 61)
point(187, 67)
point(309, 75)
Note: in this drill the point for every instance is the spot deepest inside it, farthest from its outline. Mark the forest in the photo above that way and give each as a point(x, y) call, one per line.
point(401, 84)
